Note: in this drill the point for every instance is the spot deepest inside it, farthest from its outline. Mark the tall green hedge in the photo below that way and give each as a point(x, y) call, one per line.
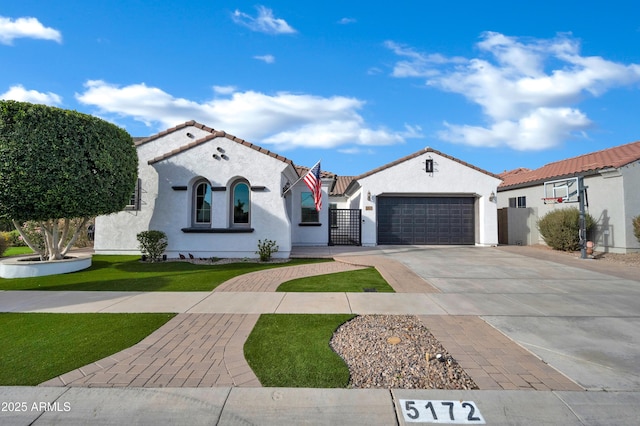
point(57, 165)
point(560, 228)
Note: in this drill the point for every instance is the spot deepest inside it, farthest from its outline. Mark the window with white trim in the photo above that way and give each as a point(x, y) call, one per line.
point(201, 204)
point(241, 204)
point(518, 202)
point(308, 212)
point(134, 201)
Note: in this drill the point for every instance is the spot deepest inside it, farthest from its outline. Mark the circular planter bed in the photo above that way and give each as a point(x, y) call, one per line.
point(29, 266)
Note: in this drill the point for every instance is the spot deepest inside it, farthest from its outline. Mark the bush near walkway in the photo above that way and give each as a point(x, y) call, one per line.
point(560, 228)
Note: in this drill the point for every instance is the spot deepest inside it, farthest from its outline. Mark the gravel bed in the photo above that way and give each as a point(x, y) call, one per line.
point(390, 351)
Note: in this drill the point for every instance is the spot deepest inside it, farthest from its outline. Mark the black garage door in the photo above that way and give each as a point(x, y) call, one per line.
point(426, 220)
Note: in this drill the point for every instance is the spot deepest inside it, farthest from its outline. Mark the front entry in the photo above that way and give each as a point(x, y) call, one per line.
point(345, 227)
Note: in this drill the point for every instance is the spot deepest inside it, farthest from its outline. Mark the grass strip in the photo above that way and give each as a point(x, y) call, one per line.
point(16, 251)
point(37, 347)
point(127, 273)
point(351, 281)
point(293, 351)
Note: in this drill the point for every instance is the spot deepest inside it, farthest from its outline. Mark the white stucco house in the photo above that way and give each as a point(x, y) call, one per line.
point(612, 178)
point(214, 194)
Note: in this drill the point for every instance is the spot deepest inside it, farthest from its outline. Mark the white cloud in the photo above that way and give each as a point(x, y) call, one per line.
point(224, 90)
point(346, 21)
point(269, 59)
point(284, 119)
point(26, 28)
point(265, 22)
point(19, 93)
point(418, 64)
point(527, 88)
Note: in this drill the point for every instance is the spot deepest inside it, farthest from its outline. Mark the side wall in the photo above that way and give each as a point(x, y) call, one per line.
point(607, 201)
point(631, 174)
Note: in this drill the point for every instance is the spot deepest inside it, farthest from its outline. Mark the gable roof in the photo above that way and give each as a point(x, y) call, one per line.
point(214, 135)
point(419, 153)
point(615, 157)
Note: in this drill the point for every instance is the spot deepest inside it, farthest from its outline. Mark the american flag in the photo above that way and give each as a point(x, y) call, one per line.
point(312, 179)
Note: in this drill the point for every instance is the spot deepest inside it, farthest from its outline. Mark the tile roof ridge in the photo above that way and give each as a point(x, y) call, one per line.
point(214, 134)
point(417, 154)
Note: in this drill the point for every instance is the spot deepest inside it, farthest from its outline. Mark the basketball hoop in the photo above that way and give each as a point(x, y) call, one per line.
point(553, 200)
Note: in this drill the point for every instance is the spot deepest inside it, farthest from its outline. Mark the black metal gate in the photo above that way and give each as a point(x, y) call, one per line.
point(345, 227)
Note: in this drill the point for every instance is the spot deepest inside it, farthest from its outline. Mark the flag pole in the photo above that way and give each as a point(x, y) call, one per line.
point(300, 178)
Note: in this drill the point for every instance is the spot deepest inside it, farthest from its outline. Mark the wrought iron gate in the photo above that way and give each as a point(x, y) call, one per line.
point(345, 227)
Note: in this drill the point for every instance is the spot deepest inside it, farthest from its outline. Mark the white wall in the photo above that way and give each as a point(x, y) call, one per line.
point(631, 175)
point(449, 178)
point(168, 210)
point(304, 234)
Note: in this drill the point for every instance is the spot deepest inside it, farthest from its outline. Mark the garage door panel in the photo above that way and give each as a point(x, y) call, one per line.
point(426, 220)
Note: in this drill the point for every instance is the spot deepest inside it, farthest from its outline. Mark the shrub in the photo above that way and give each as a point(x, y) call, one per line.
point(265, 249)
point(14, 238)
point(636, 227)
point(560, 228)
point(3, 243)
point(152, 244)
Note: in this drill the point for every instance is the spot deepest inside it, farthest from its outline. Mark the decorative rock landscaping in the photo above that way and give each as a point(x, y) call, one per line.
point(396, 351)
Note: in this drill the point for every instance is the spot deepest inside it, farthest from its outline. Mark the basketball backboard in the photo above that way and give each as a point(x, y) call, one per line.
point(562, 189)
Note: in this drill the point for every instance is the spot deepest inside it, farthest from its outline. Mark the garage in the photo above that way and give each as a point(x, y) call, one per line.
point(425, 220)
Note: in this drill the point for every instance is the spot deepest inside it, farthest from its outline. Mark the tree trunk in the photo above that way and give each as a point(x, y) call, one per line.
point(55, 231)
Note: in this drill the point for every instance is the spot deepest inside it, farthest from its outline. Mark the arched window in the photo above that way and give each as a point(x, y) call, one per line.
point(202, 204)
point(241, 201)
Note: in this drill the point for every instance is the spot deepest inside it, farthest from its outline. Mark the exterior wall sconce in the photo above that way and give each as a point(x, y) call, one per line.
point(368, 195)
point(492, 197)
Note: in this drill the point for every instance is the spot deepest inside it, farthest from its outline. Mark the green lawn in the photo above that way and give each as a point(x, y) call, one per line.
point(351, 281)
point(293, 351)
point(127, 273)
point(37, 347)
point(15, 251)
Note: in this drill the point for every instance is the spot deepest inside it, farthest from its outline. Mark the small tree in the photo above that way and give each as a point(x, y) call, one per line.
point(636, 227)
point(59, 165)
point(560, 228)
point(152, 244)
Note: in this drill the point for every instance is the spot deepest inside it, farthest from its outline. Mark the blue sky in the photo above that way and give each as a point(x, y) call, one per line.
point(357, 84)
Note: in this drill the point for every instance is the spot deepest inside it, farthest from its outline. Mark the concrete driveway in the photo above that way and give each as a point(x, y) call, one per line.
point(581, 321)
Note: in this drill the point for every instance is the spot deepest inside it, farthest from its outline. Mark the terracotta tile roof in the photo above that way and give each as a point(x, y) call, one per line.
point(584, 164)
point(214, 134)
point(417, 154)
point(339, 185)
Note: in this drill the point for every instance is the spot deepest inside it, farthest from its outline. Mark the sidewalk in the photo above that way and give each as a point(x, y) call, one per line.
point(192, 370)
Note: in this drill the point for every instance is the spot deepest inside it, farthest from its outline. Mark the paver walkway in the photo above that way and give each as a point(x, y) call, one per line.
point(206, 349)
point(190, 350)
point(494, 361)
point(401, 278)
point(269, 280)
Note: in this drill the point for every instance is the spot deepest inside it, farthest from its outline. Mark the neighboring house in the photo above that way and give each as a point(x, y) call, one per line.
point(214, 194)
point(612, 177)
